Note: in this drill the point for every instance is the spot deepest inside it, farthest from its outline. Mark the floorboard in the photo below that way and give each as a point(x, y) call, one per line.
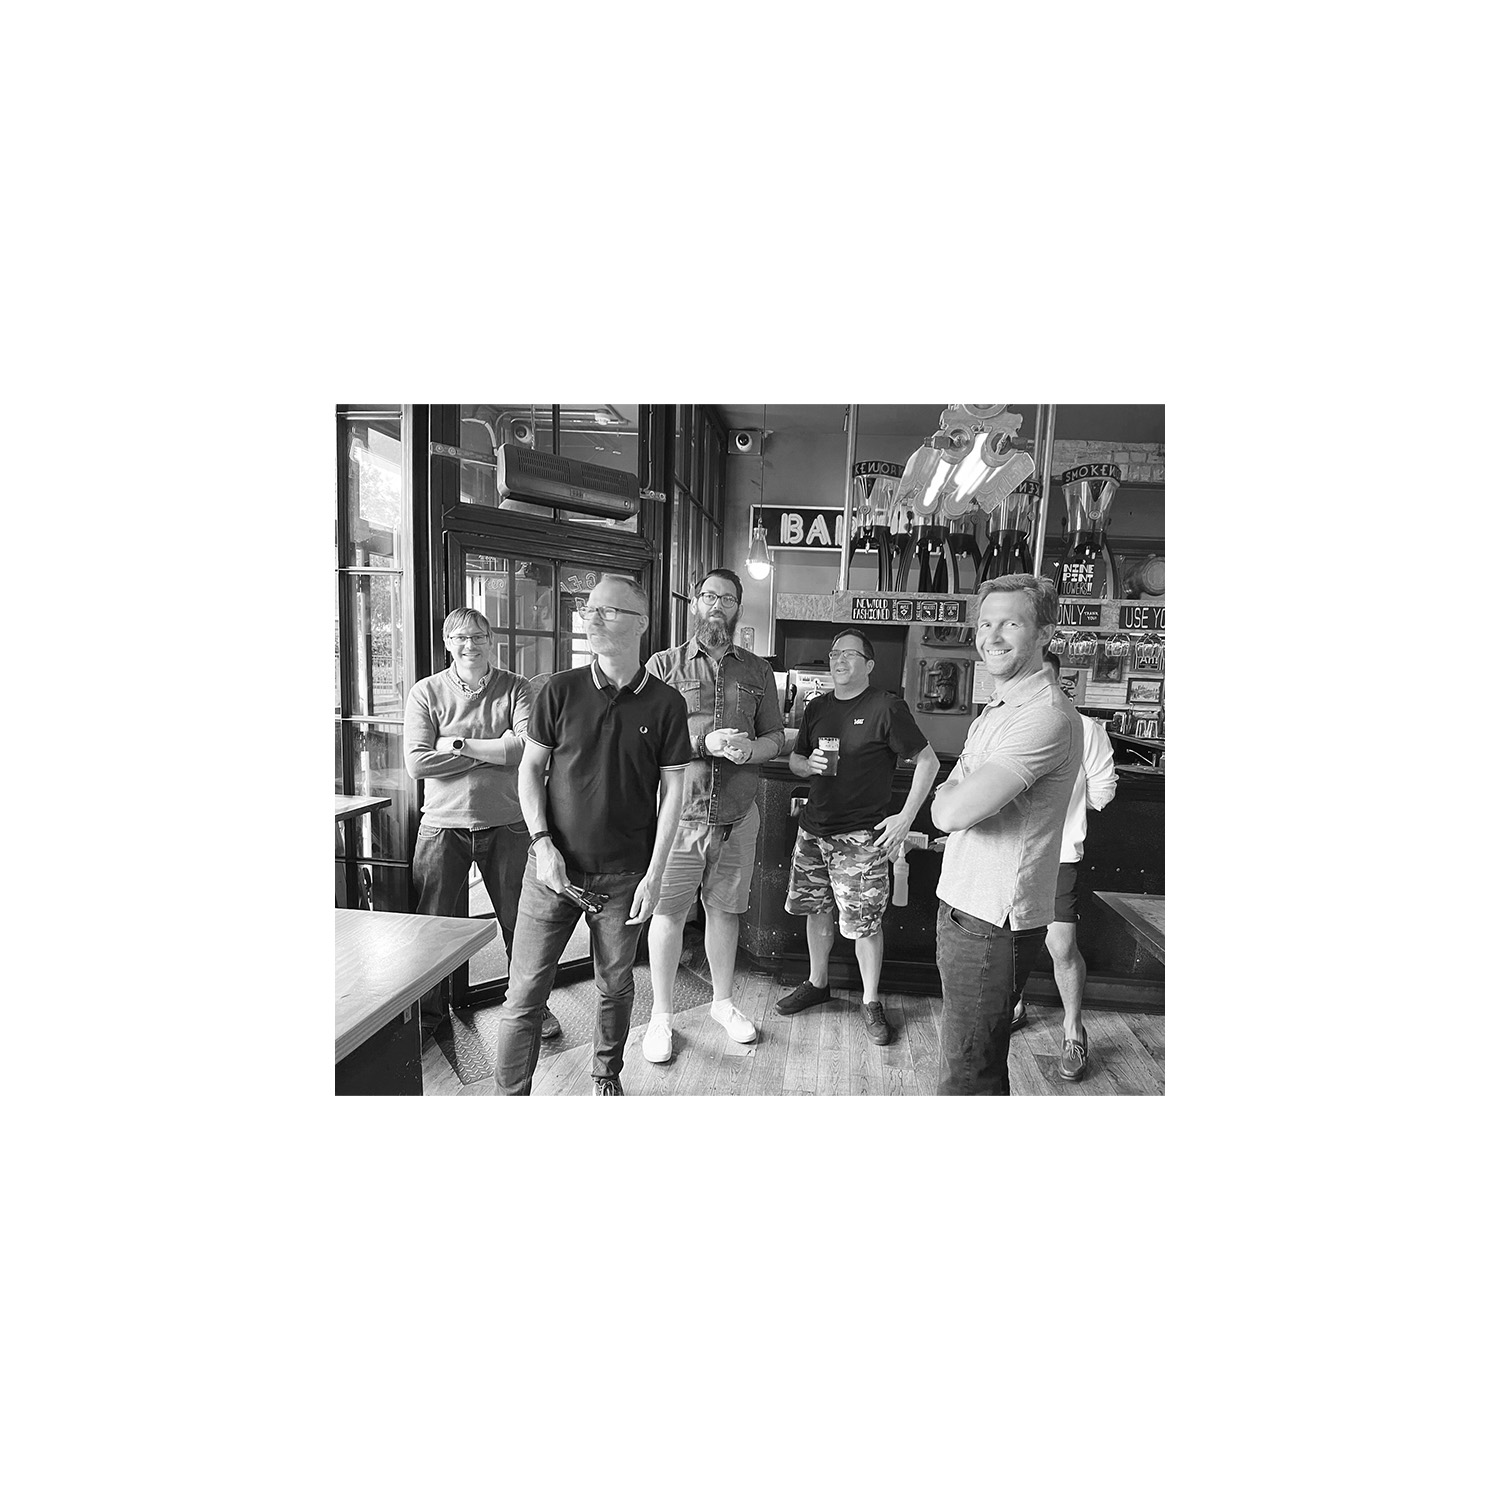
point(825, 1051)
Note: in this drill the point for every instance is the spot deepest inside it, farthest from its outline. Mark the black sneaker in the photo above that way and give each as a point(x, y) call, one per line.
point(607, 1086)
point(1020, 1018)
point(1074, 1062)
point(874, 1019)
point(803, 996)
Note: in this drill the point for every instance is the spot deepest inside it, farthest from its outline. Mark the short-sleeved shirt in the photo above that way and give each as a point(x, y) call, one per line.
point(874, 731)
point(609, 747)
point(739, 692)
point(1006, 866)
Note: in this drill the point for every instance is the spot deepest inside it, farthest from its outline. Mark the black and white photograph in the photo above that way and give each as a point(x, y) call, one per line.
point(651, 779)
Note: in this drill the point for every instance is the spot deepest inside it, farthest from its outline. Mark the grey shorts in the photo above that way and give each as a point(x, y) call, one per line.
point(717, 860)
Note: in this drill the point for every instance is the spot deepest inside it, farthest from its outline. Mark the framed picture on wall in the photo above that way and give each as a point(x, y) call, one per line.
point(1143, 690)
point(1071, 680)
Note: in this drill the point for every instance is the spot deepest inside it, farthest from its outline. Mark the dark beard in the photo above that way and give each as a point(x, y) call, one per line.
point(713, 632)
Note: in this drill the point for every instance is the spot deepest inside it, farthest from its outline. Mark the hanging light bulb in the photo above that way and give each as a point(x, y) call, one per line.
point(758, 562)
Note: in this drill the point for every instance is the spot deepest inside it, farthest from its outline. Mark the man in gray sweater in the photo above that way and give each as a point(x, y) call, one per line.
point(464, 729)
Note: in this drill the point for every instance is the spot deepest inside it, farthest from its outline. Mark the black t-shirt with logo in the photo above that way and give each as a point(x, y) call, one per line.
point(609, 747)
point(874, 731)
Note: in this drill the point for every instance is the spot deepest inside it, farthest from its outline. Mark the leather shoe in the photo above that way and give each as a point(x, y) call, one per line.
point(1020, 1018)
point(1074, 1062)
point(551, 1026)
point(875, 1023)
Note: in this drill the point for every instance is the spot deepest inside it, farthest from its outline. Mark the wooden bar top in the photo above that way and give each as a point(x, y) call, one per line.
point(1146, 916)
point(352, 807)
point(385, 960)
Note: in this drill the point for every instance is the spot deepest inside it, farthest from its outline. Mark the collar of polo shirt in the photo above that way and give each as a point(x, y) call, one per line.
point(601, 682)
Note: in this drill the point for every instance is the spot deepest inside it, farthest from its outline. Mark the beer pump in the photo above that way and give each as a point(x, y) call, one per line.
point(928, 486)
point(1009, 549)
point(875, 485)
point(1085, 569)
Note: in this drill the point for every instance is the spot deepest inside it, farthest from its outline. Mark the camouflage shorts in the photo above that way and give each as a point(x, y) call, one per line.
point(846, 871)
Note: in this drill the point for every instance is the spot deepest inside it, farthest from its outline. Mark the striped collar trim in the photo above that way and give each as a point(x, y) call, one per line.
point(601, 682)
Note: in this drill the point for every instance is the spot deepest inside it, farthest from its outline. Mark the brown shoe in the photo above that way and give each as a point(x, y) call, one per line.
point(1074, 1062)
point(875, 1024)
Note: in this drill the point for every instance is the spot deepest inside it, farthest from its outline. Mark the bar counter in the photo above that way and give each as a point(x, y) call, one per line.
point(1125, 851)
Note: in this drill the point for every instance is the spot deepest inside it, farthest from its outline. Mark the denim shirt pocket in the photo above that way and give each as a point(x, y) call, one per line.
point(748, 701)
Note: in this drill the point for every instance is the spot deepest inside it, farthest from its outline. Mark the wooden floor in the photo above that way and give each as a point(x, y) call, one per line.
point(825, 1051)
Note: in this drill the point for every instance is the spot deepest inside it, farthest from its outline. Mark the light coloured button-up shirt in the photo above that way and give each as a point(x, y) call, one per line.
point(738, 692)
point(1006, 865)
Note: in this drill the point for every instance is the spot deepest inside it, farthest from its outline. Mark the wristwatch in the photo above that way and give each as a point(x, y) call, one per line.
point(458, 744)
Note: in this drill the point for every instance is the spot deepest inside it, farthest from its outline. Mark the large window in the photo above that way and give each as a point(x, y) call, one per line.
point(372, 658)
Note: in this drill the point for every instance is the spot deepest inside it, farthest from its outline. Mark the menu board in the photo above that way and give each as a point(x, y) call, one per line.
point(885, 609)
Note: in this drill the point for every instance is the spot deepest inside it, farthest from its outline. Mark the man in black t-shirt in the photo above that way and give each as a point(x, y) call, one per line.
point(601, 741)
point(849, 744)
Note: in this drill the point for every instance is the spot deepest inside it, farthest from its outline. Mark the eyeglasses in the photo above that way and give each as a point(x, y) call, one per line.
point(468, 639)
point(834, 656)
point(708, 599)
point(605, 612)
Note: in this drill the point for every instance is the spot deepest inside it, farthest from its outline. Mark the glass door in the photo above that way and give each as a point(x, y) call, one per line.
point(531, 603)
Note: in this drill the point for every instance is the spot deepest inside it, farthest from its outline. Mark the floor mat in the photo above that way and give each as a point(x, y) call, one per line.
point(468, 1043)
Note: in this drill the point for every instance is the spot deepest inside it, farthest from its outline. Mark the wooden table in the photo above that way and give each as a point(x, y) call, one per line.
point(384, 962)
point(345, 810)
point(1145, 916)
point(351, 807)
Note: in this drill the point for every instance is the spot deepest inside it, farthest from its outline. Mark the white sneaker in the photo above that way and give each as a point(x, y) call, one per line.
point(656, 1045)
point(739, 1029)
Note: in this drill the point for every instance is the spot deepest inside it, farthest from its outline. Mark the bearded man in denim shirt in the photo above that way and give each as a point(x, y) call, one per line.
point(734, 720)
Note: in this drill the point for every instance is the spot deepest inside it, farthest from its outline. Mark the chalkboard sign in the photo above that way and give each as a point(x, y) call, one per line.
point(1078, 614)
point(882, 609)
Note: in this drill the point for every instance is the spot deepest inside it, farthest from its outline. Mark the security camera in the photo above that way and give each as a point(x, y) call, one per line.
point(522, 432)
point(743, 442)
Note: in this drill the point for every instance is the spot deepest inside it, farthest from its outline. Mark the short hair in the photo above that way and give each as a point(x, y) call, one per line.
point(637, 593)
point(858, 635)
point(730, 574)
point(457, 618)
point(1041, 591)
point(1053, 660)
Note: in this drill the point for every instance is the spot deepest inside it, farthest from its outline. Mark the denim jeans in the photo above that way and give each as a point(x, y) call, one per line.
point(544, 923)
point(440, 871)
point(981, 966)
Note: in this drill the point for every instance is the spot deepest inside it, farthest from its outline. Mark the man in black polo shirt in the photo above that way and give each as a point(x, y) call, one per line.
point(603, 739)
